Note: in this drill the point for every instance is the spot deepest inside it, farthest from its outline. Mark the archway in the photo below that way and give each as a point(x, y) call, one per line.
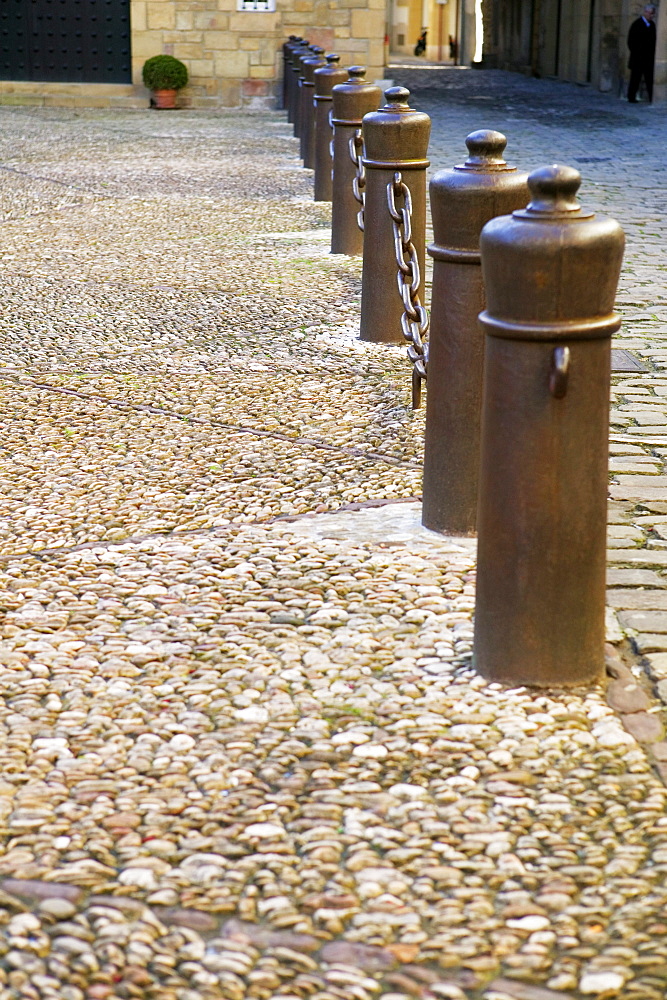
point(444, 21)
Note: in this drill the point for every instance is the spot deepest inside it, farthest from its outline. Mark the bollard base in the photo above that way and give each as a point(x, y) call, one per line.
point(438, 520)
point(507, 673)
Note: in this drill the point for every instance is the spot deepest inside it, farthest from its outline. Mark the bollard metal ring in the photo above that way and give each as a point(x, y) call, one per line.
point(560, 370)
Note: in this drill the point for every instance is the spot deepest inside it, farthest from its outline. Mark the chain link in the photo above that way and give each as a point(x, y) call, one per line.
point(359, 181)
point(414, 321)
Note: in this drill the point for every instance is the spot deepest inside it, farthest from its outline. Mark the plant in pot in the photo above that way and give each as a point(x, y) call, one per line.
point(164, 76)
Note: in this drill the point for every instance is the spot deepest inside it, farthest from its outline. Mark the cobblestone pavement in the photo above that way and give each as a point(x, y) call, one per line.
point(243, 752)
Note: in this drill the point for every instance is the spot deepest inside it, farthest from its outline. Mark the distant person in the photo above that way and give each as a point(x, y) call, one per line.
point(420, 47)
point(641, 42)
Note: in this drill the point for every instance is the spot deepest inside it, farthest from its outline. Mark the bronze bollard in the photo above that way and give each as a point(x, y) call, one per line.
point(308, 105)
point(287, 63)
point(288, 48)
point(351, 101)
point(304, 54)
point(462, 201)
point(550, 272)
point(293, 83)
point(326, 78)
point(301, 50)
point(395, 142)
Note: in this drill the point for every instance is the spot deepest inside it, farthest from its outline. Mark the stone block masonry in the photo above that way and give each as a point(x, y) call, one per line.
point(233, 57)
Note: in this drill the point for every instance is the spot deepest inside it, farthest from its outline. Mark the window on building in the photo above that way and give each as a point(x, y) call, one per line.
point(255, 4)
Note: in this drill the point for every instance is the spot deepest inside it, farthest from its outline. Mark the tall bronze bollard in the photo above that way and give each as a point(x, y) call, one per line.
point(287, 65)
point(351, 101)
point(293, 82)
point(308, 105)
point(395, 143)
point(326, 78)
point(301, 51)
point(550, 273)
point(462, 201)
point(307, 53)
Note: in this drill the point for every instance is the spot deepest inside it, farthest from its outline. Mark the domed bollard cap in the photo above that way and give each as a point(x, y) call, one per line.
point(312, 53)
point(328, 76)
point(466, 197)
point(551, 269)
point(315, 60)
point(396, 136)
point(315, 54)
point(355, 97)
point(299, 49)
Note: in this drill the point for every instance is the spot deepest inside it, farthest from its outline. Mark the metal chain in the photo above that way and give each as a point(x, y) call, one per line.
point(414, 321)
point(359, 181)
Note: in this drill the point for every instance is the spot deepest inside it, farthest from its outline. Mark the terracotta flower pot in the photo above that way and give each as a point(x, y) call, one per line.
point(164, 98)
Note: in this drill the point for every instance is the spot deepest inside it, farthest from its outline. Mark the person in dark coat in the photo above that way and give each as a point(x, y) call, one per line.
point(641, 42)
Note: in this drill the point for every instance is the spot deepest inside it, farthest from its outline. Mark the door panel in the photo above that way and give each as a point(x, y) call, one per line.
point(65, 41)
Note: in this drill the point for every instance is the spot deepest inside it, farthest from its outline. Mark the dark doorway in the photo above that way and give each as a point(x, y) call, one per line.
point(65, 41)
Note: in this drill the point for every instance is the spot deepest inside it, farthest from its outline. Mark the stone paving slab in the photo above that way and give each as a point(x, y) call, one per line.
point(243, 751)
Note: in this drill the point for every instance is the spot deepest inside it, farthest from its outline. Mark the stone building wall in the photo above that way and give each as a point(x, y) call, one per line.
point(233, 57)
point(583, 41)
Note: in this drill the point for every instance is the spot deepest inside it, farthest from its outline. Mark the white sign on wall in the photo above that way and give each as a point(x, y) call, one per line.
point(256, 5)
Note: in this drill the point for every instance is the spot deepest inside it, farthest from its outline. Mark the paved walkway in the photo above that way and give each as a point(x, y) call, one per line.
point(242, 751)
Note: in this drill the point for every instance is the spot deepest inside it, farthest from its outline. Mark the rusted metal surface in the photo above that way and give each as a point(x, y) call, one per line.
point(550, 272)
point(326, 78)
point(293, 83)
point(308, 105)
point(288, 45)
point(463, 200)
point(351, 101)
point(395, 140)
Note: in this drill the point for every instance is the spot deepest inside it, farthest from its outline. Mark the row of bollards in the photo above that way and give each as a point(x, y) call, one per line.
point(518, 357)
point(327, 104)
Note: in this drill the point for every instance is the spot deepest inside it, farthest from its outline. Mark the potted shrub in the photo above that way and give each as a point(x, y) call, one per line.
point(164, 75)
